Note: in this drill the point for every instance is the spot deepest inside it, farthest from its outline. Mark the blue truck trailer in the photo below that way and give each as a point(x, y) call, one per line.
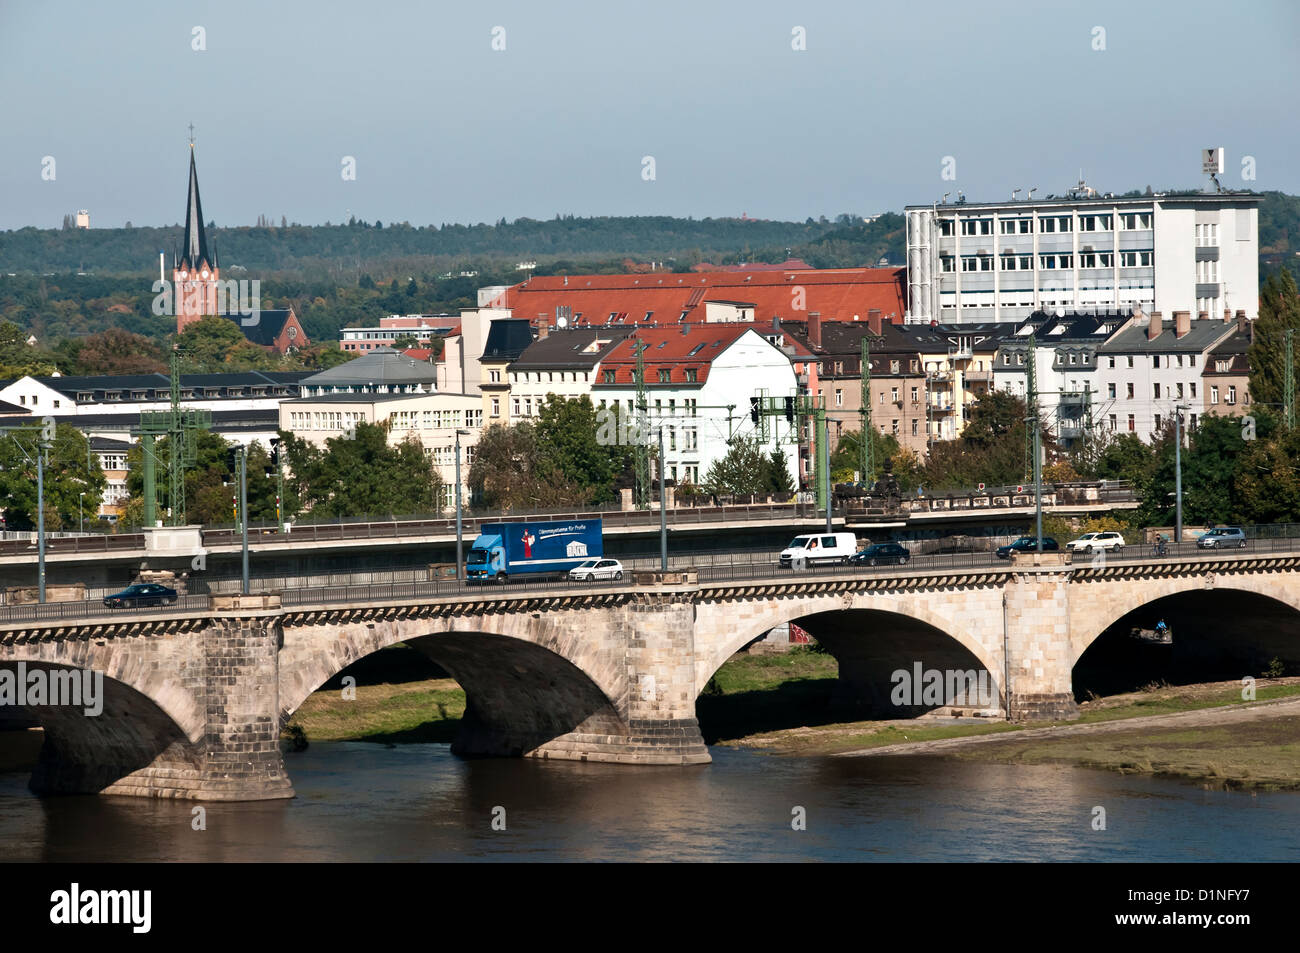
point(515, 549)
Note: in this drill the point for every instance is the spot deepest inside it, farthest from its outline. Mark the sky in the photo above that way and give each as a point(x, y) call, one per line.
point(476, 111)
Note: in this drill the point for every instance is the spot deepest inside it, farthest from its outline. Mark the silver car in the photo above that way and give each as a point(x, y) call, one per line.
point(1223, 537)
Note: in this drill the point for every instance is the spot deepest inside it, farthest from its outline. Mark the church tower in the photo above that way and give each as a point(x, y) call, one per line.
point(194, 273)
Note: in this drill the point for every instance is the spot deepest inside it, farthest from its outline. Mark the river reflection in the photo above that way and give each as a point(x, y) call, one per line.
point(364, 802)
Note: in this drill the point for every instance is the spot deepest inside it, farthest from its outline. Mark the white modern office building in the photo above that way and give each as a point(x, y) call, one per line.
point(1002, 261)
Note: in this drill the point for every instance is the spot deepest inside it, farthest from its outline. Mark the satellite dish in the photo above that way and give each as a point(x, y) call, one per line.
point(561, 322)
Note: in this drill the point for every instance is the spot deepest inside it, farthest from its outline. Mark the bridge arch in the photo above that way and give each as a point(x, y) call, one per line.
point(525, 694)
point(1096, 606)
point(1219, 633)
point(112, 740)
point(926, 628)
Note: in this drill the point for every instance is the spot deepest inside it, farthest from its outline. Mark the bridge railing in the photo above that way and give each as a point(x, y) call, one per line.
point(758, 568)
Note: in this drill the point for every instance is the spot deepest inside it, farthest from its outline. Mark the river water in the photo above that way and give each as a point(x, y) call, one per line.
point(364, 802)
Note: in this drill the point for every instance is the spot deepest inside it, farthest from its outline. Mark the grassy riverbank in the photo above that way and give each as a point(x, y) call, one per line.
point(781, 703)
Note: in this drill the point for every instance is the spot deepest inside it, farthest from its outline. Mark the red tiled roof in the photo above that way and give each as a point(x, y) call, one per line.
point(668, 349)
point(419, 353)
point(836, 294)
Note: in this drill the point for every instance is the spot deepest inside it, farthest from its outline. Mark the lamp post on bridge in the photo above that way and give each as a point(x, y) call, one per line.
point(1178, 470)
point(40, 449)
point(460, 546)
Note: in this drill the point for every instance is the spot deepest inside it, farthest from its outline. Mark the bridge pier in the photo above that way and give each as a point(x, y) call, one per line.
point(1036, 638)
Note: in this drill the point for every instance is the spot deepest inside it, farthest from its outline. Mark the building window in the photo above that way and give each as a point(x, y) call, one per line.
point(1157, 390)
point(665, 375)
point(691, 375)
point(1232, 394)
point(1110, 390)
point(1113, 424)
point(1130, 390)
point(1132, 424)
point(496, 407)
point(609, 377)
point(915, 398)
point(1157, 420)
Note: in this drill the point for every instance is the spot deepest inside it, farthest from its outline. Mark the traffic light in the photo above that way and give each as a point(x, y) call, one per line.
point(753, 410)
point(789, 410)
point(232, 460)
point(275, 451)
point(234, 508)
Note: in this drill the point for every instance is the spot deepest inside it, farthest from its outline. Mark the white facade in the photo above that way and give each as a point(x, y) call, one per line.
point(1002, 261)
point(699, 419)
point(431, 419)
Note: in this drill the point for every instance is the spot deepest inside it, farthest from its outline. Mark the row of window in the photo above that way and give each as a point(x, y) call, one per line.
point(446, 456)
point(1207, 235)
point(1128, 221)
point(1156, 419)
point(1011, 262)
point(1207, 273)
point(535, 377)
point(435, 419)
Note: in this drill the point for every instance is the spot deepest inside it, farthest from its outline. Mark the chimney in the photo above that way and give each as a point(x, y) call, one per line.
point(1242, 323)
point(1202, 315)
point(1227, 315)
point(1155, 326)
point(873, 320)
point(1182, 323)
point(543, 329)
point(815, 328)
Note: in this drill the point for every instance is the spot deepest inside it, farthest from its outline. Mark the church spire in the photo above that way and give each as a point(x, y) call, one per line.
point(194, 251)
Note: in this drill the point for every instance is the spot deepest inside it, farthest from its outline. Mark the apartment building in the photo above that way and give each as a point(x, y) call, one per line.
point(1065, 363)
point(699, 380)
point(957, 364)
point(1002, 261)
point(431, 419)
point(564, 362)
point(1225, 383)
point(425, 328)
point(1151, 366)
point(506, 340)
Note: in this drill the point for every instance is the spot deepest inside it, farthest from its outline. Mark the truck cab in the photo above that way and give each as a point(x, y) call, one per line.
point(486, 560)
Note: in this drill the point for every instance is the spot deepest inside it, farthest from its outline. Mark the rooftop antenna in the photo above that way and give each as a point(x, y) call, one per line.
point(191, 135)
point(1014, 193)
point(1030, 196)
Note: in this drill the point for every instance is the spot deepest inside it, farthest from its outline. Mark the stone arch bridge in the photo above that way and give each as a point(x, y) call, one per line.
point(194, 700)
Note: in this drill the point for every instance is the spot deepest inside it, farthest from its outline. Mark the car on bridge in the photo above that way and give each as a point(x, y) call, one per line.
point(142, 594)
point(1223, 537)
point(1027, 544)
point(1097, 542)
point(881, 554)
point(592, 569)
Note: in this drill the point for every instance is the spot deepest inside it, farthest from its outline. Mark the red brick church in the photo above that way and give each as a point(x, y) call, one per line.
point(196, 276)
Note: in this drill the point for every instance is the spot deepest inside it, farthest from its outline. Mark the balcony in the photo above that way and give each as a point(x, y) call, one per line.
point(1075, 398)
point(979, 377)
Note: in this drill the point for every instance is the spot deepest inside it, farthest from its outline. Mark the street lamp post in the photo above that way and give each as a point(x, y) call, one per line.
point(1178, 471)
point(41, 449)
point(81, 519)
point(243, 512)
point(460, 546)
point(663, 507)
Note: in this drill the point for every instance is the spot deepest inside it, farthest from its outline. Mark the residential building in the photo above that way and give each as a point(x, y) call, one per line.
point(112, 456)
point(506, 340)
point(1002, 261)
point(957, 364)
point(1152, 366)
point(1225, 382)
point(564, 362)
point(1065, 369)
point(699, 381)
point(431, 419)
point(897, 384)
point(425, 328)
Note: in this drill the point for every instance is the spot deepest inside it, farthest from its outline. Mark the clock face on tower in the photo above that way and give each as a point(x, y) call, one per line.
point(293, 332)
point(205, 272)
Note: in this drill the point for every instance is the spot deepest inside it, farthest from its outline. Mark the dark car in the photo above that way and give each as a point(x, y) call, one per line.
point(881, 554)
point(1027, 544)
point(141, 594)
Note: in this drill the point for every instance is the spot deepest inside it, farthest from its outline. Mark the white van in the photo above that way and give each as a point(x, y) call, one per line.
point(818, 548)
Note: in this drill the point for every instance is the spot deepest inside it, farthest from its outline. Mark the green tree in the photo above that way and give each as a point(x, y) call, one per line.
point(509, 473)
point(743, 469)
point(111, 351)
point(777, 476)
point(567, 444)
point(847, 458)
point(20, 359)
point(70, 472)
point(216, 344)
point(1279, 311)
point(361, 475)
point(1268, 482)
